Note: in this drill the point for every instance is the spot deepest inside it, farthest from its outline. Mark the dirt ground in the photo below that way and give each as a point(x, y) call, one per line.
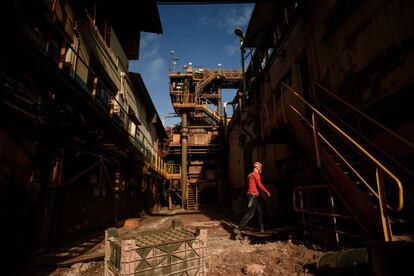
point(255, 257)
point(276, 255)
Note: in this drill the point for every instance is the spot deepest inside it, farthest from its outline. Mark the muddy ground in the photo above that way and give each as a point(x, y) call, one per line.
point(278, 254)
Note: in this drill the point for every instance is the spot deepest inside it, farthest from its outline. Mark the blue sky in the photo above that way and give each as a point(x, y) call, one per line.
point(201, 34)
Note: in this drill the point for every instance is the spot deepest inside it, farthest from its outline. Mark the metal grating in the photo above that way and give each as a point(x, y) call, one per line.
point(173, 251)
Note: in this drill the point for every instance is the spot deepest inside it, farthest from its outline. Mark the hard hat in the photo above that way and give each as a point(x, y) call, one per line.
point(257, 165)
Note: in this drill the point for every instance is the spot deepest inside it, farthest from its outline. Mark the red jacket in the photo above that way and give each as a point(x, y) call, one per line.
point(254, 180)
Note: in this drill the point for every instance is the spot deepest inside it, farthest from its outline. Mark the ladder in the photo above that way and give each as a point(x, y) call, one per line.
point(192, 197)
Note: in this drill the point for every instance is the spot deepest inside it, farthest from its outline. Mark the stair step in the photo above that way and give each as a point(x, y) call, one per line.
point(362, 173)
point(399, 221)
point(356, 164)
point(342, 151)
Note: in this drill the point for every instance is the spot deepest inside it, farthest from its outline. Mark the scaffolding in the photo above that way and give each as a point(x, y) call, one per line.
point(196, 96)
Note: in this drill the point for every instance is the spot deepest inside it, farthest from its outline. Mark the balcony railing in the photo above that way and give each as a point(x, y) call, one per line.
point(173, 169)
point(71, 60)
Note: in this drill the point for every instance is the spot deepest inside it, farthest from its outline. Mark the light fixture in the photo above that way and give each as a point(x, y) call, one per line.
point(239, 33)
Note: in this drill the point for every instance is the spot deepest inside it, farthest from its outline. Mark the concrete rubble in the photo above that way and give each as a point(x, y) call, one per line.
point(225, 255)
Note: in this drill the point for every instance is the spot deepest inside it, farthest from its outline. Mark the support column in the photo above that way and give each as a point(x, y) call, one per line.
point(219, 103)
point(184, 137)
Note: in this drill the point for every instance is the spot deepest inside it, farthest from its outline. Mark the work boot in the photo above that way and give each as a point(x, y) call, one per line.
point(261, 228)
point(237, 233)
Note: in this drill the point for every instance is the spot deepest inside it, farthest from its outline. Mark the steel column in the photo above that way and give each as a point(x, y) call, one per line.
point(184, 137)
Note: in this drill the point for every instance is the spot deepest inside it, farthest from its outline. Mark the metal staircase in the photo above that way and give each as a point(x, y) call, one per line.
point(192, 197)
point(369, 188)
point(202, 104)
point(196, 96)
point(211, 75)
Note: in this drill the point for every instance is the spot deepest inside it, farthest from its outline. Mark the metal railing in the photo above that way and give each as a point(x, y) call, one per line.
point(210, 75)
point(182, 98)
point(70, 61)
point(191, 100)
point(316, 86)
point(299, 203)
point(173, 168)
point(290, 99)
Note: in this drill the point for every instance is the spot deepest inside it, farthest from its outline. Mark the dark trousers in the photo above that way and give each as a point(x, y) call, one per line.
point(252, 209)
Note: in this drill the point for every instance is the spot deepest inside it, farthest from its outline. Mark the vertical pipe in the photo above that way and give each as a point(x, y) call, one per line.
point(219, 103)
point(243, 96)
point(169, 201)
point(75, 62)
point(184, 136)
point(126, 121)
point(286, 16)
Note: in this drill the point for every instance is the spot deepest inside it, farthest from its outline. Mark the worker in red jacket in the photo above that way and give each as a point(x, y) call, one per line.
point(253, 198)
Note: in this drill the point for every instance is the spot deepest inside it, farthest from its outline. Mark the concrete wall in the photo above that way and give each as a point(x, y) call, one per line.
point(366, 57)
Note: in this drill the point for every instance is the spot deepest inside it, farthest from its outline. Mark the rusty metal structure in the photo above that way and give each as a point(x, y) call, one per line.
point(195, 147)
point(326, 111)
point(80, 140)
point(328, 114)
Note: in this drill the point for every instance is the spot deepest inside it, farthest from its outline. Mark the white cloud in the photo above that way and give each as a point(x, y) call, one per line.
point(151, 56)
point(147, 39)
point(238, 18)
point(150, 45)
point(156, 66)
point(228, 19)
point(232, 49)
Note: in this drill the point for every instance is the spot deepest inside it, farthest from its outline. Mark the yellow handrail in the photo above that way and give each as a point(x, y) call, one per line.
point(380, 168)
point(397, 182)
point(326, 90)
point(340, 155)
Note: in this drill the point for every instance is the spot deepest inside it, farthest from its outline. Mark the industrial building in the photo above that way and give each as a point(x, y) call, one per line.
point(195, 146)
point(327, 110)
point(81, 141)
point(323, 101)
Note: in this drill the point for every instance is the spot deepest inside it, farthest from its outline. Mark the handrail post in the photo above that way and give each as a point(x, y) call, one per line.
point(316, 139)
point(302, 206)
point(331, 199)
point(196, 193)
point(383, 206)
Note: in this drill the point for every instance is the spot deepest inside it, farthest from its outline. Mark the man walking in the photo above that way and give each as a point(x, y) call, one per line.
point(253, 180)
